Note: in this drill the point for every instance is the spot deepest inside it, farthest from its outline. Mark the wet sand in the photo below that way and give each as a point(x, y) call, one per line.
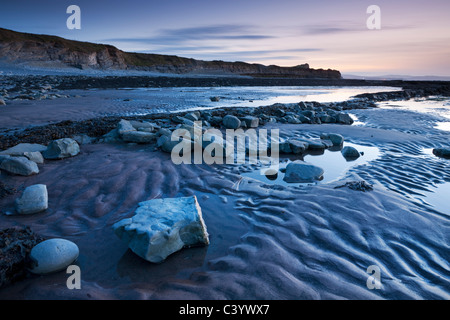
point(267, 241)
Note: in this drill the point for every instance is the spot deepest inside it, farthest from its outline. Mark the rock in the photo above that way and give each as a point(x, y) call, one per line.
point(34, 156)
point(335, 138)
point(142, 126)
point(53, 255)
point(20, 166)
point(298, 147)
point(15, 246)
point(29, 150)
point(33, 200)
point(124, 126)
point(284, 147)
point(344, 118)
point(442, 153)
point(21, 148)
point(215, 99)
point(83, 139)
point(350, 153)
point(162, 227)
point(293, 119)
point(138, 137)
point(62, 148)
point(2, 102)
point(191, 116)
point(301, 171)
point(231, 122)
point(251, 122)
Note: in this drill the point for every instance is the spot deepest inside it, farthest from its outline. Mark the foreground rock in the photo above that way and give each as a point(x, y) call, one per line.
point(53, 255)
point(301, 171)
point(19, 166)
point(162, 227)
point(231, 122)
point(33, 200)
point(15, 246)
point(62, 148)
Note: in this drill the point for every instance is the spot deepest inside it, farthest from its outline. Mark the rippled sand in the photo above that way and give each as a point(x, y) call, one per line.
point(267, 241)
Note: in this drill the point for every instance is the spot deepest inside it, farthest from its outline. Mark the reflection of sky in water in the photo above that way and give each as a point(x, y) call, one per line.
point(436, 106)
point(333, 163)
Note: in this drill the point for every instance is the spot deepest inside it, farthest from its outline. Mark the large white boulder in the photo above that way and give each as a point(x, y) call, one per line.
point(53, 255)
point(33, 200)
point(161, 227)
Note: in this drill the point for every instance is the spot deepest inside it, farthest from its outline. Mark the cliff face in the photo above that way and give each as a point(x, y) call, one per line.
point(31, 48)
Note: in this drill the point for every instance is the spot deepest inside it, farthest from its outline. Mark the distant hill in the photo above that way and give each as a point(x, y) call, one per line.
point(397, 77)
point(47, 50)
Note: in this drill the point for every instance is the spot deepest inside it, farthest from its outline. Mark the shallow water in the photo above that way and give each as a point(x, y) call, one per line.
point(335, 166)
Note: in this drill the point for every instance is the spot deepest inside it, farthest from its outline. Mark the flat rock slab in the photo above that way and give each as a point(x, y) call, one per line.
point(19, 165)
point(162, 227)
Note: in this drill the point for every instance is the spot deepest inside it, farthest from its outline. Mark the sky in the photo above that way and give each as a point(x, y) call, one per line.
point(413, 39)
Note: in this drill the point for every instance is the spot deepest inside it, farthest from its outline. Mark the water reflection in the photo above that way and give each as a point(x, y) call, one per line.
point(331, 160)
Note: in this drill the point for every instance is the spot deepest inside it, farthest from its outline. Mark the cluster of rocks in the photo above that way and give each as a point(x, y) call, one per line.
point(24, 88)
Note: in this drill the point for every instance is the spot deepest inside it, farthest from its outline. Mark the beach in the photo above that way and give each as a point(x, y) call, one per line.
point(267, 240)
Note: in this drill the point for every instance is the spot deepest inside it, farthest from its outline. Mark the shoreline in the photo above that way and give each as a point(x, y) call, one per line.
point(267, 241)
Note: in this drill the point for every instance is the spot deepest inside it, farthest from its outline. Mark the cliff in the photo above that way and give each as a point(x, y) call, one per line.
point(17, 47)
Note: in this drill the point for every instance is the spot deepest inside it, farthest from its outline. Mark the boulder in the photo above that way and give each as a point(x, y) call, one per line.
point(251, 122)
point(19, 165)
point(231, 122)
point(350, 153)
point(138, 137)
point(33, 200)
point(344, 118)
point(442, 152)
point(215, 99)
point(335, 138)
point(53, 255)
point(2, 102)
point(301, 171)
point(161, 227)
point(61, 148)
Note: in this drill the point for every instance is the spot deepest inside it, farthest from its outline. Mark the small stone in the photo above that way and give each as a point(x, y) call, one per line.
point(215, 99)
point(53, 255)
point(33, 200)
